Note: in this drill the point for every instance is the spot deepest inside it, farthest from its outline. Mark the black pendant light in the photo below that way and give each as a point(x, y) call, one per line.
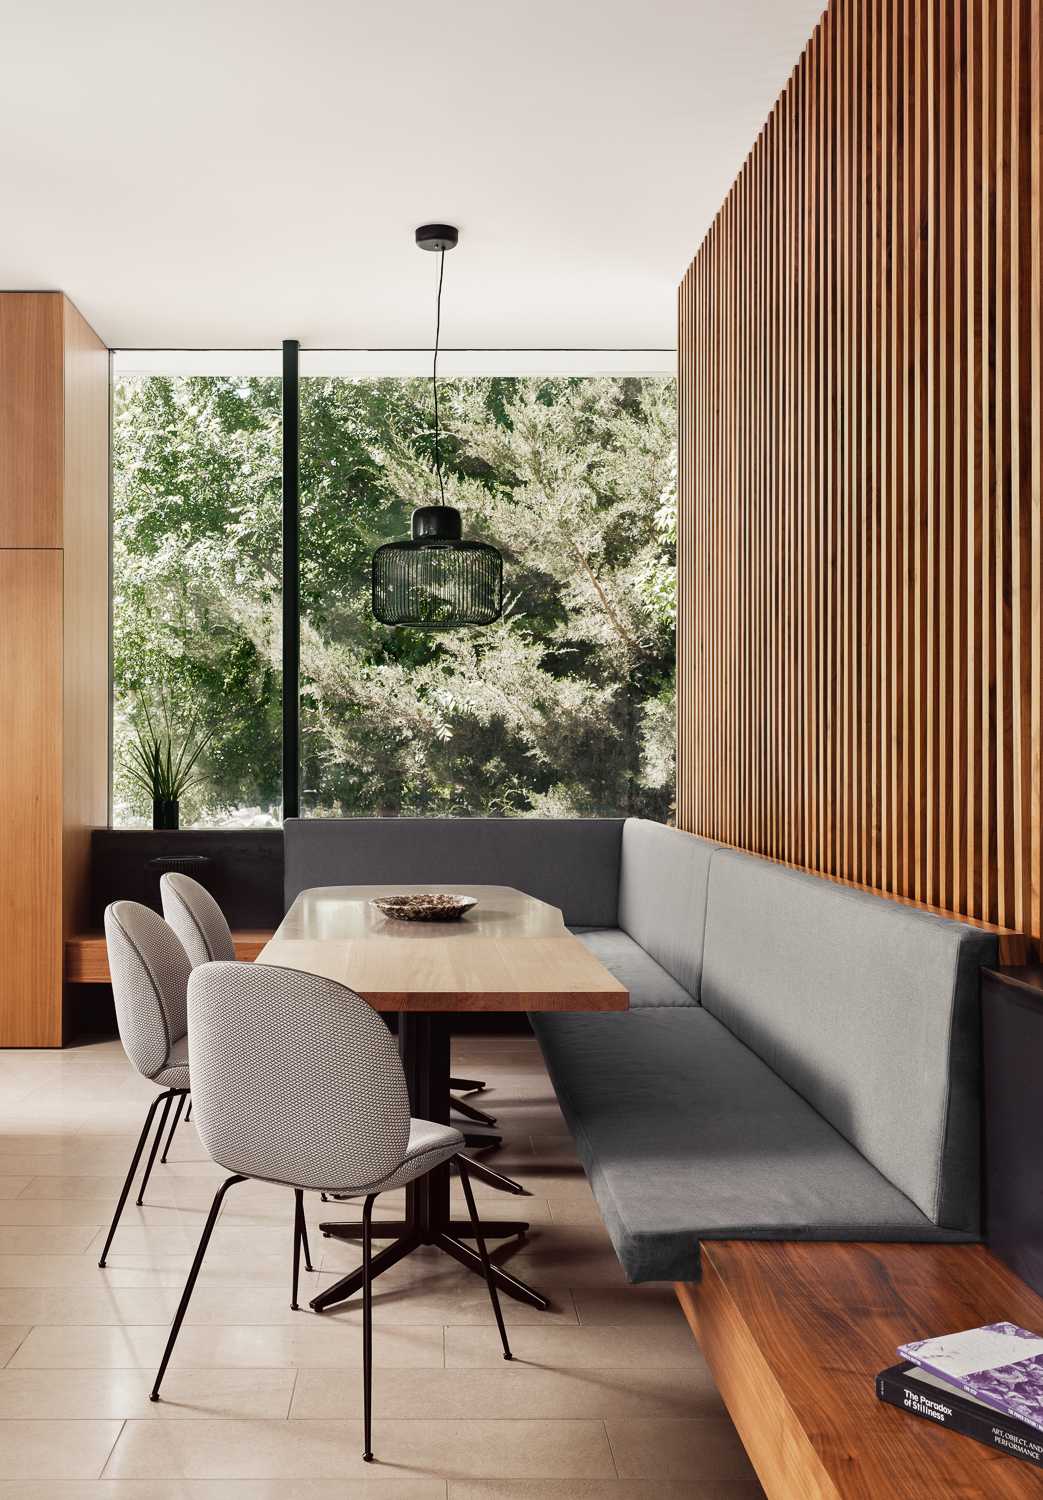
point(437, 581)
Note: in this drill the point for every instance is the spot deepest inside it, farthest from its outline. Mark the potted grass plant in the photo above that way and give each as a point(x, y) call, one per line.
point(163, 763)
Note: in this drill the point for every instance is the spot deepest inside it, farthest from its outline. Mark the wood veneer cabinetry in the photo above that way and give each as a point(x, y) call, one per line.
point(53, 646)
point(860, 634)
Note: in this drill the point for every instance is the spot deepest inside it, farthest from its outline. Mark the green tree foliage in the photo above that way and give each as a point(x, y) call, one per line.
point(565, 706)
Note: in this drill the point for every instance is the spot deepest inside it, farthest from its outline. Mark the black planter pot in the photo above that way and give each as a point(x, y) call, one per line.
point(165, 812)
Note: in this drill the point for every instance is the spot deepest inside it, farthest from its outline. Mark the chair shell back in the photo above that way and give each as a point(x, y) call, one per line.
point(196, 918)
point(149, 970)
point(295, 1078)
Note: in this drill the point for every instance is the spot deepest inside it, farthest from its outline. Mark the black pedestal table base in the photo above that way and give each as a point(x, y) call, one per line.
point(424, 1043)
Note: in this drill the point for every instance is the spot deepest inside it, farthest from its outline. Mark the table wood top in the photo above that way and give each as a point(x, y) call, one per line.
point(510, 952)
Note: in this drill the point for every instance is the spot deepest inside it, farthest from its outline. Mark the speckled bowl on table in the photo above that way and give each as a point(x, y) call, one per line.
point(425, 906)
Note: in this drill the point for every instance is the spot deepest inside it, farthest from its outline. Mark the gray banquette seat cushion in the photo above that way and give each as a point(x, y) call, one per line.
point(656, 950)
point(685, 1134)
point(823, 1084)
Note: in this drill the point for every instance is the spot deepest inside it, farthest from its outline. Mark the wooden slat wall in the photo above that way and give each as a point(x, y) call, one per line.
point(861, 546)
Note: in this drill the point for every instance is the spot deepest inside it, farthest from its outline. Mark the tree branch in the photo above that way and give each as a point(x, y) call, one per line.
point(620, 628)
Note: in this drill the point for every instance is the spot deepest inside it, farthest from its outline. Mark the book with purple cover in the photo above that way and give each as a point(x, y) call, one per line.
point(921, 1394)
point(1000, 1364)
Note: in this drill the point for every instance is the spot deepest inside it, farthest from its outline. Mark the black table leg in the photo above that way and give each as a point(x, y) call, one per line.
point(424, 1044)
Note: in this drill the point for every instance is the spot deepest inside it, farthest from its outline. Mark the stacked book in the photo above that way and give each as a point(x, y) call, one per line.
point(986, 1383)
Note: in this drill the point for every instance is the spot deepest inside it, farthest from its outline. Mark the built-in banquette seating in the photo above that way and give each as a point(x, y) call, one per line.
point(800, 1061)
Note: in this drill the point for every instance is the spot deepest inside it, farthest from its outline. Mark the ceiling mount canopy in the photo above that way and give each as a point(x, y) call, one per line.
point(437, 237)
point(436, 580)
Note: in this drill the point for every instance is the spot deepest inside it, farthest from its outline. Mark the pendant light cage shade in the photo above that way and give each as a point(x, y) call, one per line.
point(436, 580)
point(437, 585)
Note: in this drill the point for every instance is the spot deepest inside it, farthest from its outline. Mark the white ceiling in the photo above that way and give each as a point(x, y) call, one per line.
point(229, 173)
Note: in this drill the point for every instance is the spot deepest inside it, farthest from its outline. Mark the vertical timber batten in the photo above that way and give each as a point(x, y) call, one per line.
point(860, 549)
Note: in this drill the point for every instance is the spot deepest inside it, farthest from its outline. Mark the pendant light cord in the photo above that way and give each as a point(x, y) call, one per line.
point(434, 375)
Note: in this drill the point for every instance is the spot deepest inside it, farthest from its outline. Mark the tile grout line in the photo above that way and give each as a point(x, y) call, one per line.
point(28, 1330)
point(293, 1392)
point(611, 1450)
point(108, 1457)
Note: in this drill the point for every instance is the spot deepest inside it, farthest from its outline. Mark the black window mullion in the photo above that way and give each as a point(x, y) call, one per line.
point(291, 579)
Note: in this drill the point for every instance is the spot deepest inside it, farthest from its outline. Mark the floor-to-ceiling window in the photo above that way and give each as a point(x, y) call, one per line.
point(564, 706)
point(196, 584)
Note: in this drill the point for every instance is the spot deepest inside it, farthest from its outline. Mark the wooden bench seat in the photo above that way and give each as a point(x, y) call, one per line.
point(795, 1334)
point(86, 961)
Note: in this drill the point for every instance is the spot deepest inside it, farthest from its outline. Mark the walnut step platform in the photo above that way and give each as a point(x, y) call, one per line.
point(794, 1335)
point(86, 961)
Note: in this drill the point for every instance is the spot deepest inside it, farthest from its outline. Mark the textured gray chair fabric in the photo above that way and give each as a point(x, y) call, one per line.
point(572, 863)
point(662, 899)
point(298, 1081)
point(685, 1134)
point(648, 982)
point(295, 1079)
point(196, 918)
point(869, 1009)
point(149, 970)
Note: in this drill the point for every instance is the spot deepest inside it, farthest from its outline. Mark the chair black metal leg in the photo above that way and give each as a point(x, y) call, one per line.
point(304, 1242)
point(142, 1138)
point(298, 1235)
point(466, 1085)
point(177, 1117)
point(188, 1116)
point(470, 1113)
point(465, 1177)
point(494, 1179)
point(155, 1147)
point(367, 1328)
point(186, 1295)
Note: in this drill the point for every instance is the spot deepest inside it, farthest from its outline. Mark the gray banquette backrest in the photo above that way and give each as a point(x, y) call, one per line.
point(868, 1008)
point(572, 863)
point(662, 896)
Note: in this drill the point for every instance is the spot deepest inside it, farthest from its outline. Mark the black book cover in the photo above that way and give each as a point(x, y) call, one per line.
point(922, 1394)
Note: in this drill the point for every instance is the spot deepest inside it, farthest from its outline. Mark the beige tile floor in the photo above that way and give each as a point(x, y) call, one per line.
point(607, 1398)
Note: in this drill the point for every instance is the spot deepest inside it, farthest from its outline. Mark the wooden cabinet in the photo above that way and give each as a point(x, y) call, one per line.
point(54, 420)
point(31, 418)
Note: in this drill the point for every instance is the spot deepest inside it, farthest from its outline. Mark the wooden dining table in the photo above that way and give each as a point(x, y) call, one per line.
point(510, 952)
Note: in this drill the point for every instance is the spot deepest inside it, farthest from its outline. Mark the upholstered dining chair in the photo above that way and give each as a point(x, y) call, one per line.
point(205, 936)
point(197, 919)
point(297, 1081)
point(149, 970)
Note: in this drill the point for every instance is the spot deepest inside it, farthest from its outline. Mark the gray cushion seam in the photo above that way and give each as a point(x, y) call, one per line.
point(155, 991)
point(706, 914)
point(943, 1135)
point(192, 918)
